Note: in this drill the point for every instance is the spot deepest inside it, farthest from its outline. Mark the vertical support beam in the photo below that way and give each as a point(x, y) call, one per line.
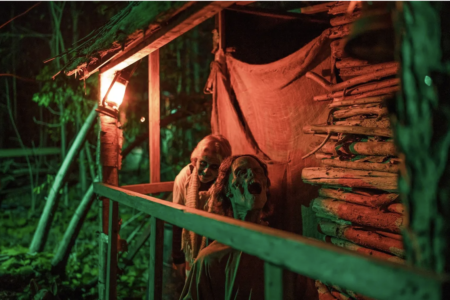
point(113, 231)
point(154, 116)
point(273, 282)
point(220, 25)
point(110, 145)
point(154, 291)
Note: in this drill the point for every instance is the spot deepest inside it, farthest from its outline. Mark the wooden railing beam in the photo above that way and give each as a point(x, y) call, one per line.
point(150, 188)
point(369, 276)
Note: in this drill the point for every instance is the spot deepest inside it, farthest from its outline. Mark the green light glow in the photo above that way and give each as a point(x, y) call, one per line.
point(428, 80)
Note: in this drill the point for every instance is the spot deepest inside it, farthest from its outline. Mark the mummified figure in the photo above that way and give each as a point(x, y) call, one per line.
point(221, 272)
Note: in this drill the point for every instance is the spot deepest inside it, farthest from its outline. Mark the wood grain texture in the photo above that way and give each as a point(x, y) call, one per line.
point(150, 188)
point(366, 199)
point(359, 89)
point(154, 117)
point(391, 168)
point(155, 275)
point(311, 258)
point(363, 237)
point(111, 269)
point(358, 214)
point(348, 130)
point(181, 23)
point(273, 282)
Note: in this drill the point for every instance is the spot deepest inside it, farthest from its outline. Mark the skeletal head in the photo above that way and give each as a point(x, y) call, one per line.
point(208, 155)
point(247, 186)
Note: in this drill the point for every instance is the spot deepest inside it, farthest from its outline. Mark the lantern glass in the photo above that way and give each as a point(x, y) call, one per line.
point(115, 96)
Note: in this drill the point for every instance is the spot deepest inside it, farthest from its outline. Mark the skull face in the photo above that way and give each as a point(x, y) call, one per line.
point(247, 186)
point(208, 164)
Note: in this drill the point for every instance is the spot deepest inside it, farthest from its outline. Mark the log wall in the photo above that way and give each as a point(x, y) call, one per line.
point(358, 208)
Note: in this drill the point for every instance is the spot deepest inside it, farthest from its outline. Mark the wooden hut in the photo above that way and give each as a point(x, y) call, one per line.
point(266, 106)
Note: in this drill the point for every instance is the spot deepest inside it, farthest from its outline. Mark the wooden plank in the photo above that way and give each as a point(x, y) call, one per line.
point(154, 116)
point(150, 188)
point(385, 132)
point(111, 270)
point(181, 23)
point(273, 282)
point(314, 9)
point(29, 151)
point(154, 291)
point(220, 20)
point(371, 277)
point(279, 15)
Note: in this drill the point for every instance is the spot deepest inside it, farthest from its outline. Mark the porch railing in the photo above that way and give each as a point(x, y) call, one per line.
point(280, 250)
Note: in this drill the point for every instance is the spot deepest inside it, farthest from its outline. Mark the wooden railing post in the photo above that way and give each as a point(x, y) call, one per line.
point(273, 282)
point(111, 270)
point(154, 116)
point(154, 291)
point(110, 147)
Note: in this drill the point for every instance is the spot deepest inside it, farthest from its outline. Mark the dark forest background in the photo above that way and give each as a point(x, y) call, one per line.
point(40, 118)
point(45, 115)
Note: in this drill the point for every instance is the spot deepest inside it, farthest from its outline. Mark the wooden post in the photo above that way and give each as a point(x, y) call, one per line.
point(154, 116)
point(154, 291)
point(110, 135)
point(273, 282)
point(111, 270)
point(220, 24)
point(154, 288)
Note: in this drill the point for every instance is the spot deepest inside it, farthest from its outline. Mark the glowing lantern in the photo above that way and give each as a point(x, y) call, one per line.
point(115, 93)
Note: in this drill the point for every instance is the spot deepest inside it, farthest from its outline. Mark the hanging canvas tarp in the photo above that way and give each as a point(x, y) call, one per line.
point(262, 109)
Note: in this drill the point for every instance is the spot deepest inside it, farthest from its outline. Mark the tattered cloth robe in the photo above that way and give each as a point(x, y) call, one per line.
point(223, 273)
point(187, 192)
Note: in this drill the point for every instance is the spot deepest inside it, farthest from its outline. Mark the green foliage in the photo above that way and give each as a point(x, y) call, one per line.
point(45, 185)
point(70, 101)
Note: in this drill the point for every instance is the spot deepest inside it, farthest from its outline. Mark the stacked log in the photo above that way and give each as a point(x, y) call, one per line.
point(358, 205)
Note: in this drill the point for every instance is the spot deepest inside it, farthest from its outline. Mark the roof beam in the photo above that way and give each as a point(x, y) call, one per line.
point(179, 24)
point(277, 14)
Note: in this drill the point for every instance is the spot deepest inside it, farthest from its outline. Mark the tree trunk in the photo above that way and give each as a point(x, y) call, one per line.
point(423, 131)
point(82, 172)
point(43, 228)
point(358, 214)
point(30, 170)
point(87, 150)
point(62, 254)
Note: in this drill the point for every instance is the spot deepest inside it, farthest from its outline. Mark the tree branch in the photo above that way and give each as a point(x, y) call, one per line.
point(45, 124)
point(18, 77)
point(4, 24)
